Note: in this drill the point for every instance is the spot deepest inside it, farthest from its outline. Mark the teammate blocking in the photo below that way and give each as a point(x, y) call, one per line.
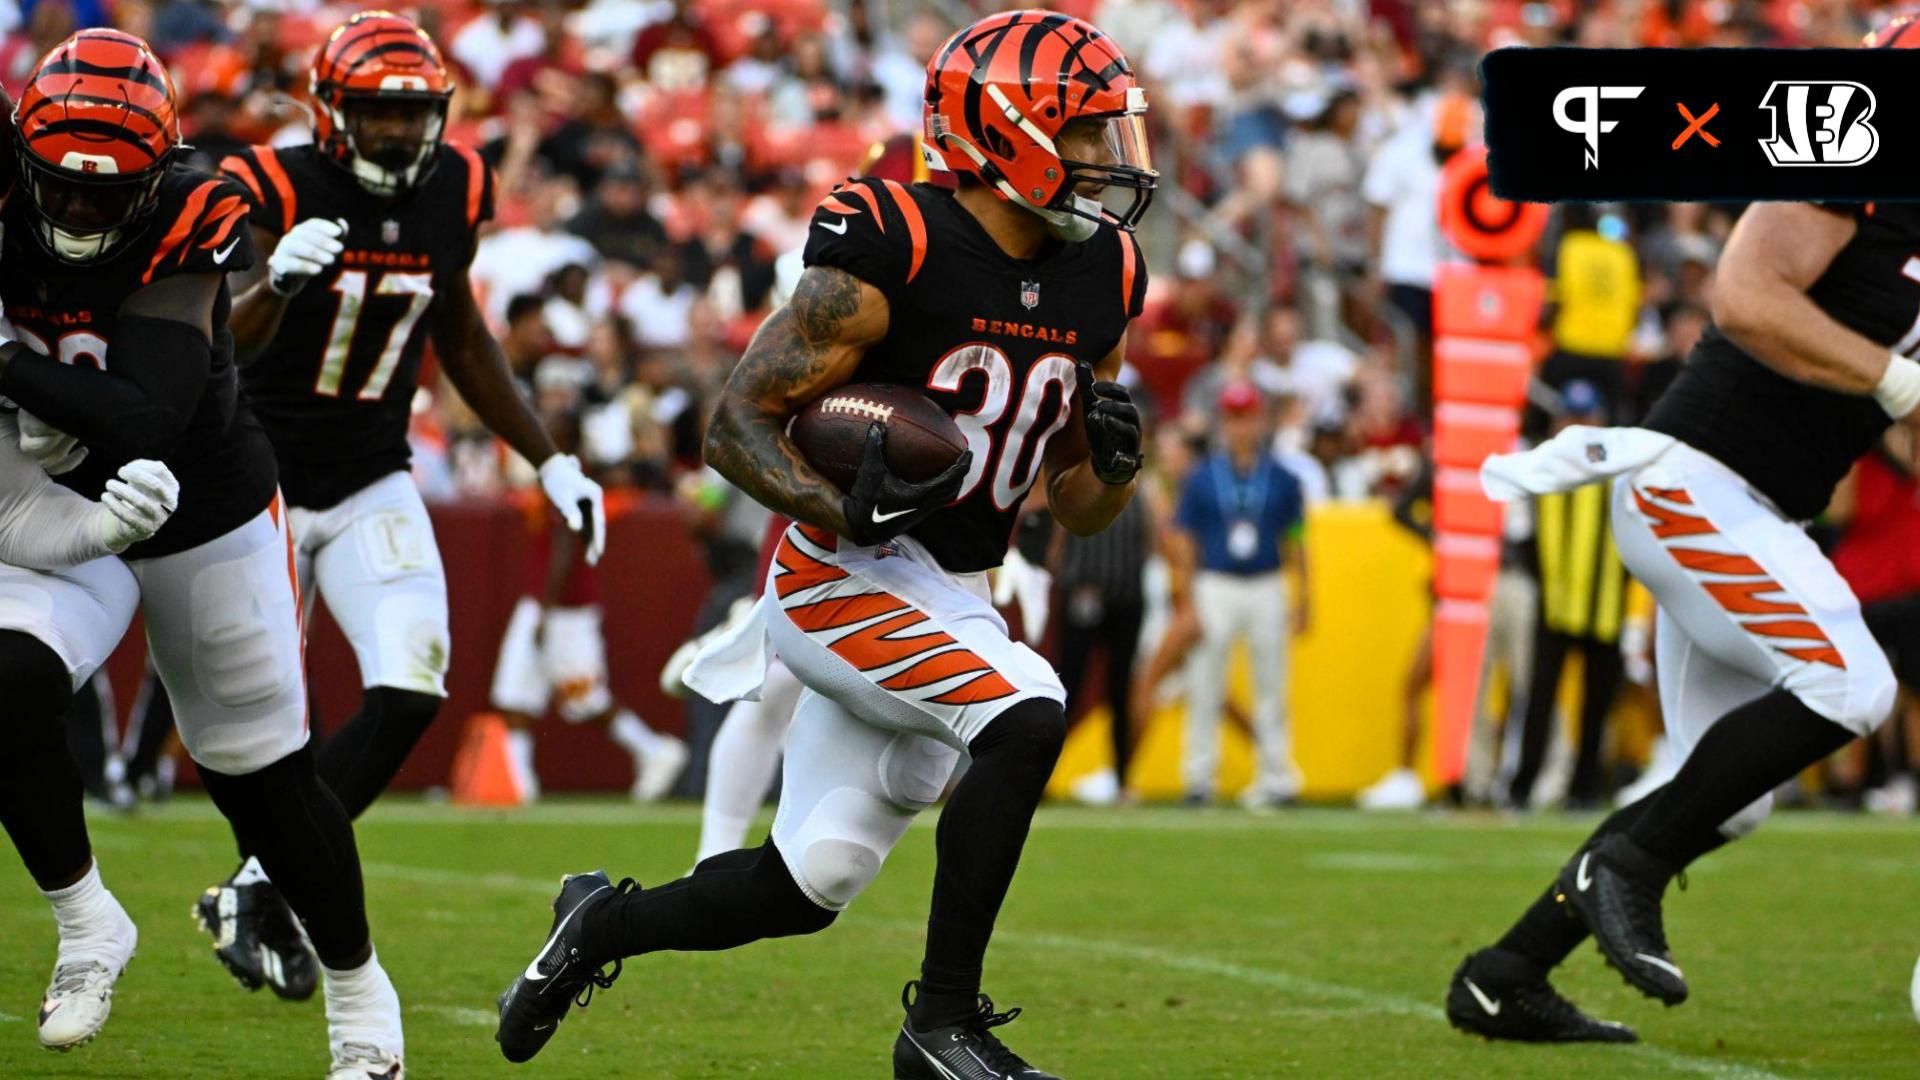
point(367, 235)
point(877, 599)
point(115, 289)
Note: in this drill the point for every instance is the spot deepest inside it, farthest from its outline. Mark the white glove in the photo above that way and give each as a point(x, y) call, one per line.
point(56, 451)
point(308, 248)
point(568, 488)
point(136, 503)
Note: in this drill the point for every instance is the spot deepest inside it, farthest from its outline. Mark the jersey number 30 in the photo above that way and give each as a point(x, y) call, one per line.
point(1010, 481)
point(352, 288)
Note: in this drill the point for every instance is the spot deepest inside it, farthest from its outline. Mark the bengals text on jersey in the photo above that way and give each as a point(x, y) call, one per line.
point(335, 385)
point(66, 310)
point(992, 339)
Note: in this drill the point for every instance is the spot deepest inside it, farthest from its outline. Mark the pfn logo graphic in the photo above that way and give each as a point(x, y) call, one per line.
point(1589, 125)
point(1820, 123)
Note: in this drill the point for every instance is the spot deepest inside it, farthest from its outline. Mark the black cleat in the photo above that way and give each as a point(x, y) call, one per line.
point(968, 1051)
point(1501, 995)
point(556, 977)
point(1615, 888)
point(258, 940)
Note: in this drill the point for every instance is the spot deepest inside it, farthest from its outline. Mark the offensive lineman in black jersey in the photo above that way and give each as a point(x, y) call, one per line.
point(1765, 665)
point(368, 233)
point(115, 288)
point(1007, 302)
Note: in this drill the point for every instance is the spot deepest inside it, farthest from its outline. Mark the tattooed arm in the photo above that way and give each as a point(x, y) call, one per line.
point(803, 350)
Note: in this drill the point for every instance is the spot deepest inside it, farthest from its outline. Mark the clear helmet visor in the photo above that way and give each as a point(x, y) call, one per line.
point(1114, 172)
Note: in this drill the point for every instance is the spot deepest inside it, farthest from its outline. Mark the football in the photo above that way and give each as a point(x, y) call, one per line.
point(922, 440)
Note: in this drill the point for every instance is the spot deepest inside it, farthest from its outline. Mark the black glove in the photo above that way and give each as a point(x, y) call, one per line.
point(881, 506)
point(1113, 427)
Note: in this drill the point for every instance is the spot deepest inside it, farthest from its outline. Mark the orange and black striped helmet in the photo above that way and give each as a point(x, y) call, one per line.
point(95, 132)
point(1000, 93)
point(377, 58)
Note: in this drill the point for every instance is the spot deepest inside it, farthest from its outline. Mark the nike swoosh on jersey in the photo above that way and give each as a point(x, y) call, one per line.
point(881, 519)
point(533, 965)
point(221, 255)
point(1487, 1003)
point(833, 226)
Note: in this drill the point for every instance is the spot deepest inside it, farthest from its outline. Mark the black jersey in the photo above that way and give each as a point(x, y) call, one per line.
point(1791, 441)
point(67, 311)
point(992, 339)
point(335, 385)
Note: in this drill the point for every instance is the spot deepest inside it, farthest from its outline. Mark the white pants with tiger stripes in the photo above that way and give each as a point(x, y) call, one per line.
point(1747, 603)
point(903, 664)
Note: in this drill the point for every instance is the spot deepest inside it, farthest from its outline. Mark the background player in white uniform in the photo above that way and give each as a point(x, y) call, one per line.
point(1765, 664)
point(115, 284)
point(1000, 300)
point(368, 233)
point(554, 650)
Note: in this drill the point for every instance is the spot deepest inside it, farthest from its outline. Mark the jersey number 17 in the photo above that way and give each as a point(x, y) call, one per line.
point(351, 286)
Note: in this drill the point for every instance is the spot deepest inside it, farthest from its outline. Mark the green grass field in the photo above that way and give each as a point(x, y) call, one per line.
point(1144, 943)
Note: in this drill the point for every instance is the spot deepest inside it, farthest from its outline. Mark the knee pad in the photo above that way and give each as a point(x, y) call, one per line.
point(36, 680)
point(831, 857)
point(1748, 819)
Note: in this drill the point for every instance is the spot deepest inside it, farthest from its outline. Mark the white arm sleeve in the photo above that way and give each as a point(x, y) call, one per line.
point(43, 526)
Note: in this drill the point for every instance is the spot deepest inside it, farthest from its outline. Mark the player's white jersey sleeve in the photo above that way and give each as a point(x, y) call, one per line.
point(43, 526)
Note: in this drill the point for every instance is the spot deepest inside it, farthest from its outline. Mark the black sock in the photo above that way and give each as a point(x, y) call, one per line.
point(86, 722)
point(40, 789)
point(286, 817)
point(1547, 933)
point(729, 900)
point(1746, 754)
point(979, 839)
point(362, 758)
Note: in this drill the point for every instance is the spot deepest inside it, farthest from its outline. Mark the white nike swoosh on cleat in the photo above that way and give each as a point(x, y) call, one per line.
point(829, 226)
point(1664, 965)
point(1479, 995)
point(533, 965)
point(1580, 877)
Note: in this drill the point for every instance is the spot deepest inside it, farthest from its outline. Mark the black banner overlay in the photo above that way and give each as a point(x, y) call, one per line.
point(1573, 125)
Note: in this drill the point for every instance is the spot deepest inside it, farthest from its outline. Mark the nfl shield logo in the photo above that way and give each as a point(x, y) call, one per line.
point(1030, 294)
point(390, 231)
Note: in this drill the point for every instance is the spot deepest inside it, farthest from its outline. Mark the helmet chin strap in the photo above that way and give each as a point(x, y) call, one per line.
point(81, 247)
point(1064, 225)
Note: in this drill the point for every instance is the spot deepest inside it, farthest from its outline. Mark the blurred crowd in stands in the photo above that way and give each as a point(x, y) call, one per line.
point(658, 160)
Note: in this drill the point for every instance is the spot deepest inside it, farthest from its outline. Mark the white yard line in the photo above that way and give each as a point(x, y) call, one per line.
point(458, 1014)
point(1284, 981)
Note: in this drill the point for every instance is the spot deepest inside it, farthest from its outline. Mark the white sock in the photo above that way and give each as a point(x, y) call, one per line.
point(90, 920)
point(632, 733)
point(249, 873)
point(362, 1006)
point(520, 755)
point(740, 767)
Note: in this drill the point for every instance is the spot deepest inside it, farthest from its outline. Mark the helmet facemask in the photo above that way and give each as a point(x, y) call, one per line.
point(389, 141)
point(84, 207)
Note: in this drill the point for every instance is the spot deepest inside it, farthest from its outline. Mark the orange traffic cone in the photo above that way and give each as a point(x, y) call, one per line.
point(482, 771)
